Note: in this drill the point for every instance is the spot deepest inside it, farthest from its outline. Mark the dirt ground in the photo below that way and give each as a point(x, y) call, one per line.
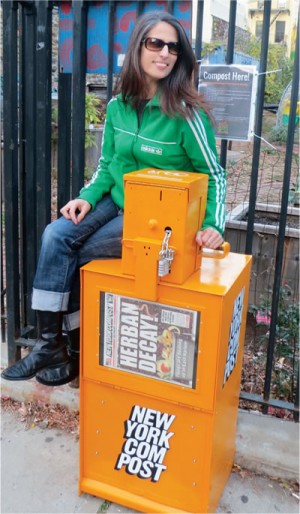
point(270, 174)
point(269, 190)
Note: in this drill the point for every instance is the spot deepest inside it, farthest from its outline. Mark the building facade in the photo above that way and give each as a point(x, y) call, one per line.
point(216, 16)
point(282, 25)
point(249, 19)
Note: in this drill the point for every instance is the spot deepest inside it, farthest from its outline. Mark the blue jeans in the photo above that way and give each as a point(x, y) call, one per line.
point(66, 247)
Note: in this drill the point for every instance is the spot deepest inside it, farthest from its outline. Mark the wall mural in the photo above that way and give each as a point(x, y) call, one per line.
point(97, 35)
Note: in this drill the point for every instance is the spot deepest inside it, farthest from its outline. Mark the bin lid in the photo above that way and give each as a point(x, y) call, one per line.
point(215, 276)
point(195, 183)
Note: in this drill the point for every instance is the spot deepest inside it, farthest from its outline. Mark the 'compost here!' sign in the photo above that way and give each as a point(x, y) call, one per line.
point(231, 92)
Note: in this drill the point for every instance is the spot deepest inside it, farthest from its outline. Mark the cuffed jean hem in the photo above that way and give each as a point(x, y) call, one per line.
point(49, 301)
point(71, 321)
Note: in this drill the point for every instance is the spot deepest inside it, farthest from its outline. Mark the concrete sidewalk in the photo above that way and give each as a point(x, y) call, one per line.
point(40, 474)
point(40, 466)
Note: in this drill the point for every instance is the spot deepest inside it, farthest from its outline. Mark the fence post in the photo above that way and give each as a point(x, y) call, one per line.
point(199, 35)
point(64, 139)
point(170, 6)
point(43, 116)
point(78, 95)
point(28, 160)
point(110, 56)
point(229, 60)
point(282, 225)
point(258, 124)
point(11, 171)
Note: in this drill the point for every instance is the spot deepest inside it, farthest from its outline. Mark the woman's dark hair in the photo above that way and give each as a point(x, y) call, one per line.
point(177, 90)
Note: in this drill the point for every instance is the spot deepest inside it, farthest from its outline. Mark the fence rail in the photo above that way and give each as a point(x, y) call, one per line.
point(28, 59)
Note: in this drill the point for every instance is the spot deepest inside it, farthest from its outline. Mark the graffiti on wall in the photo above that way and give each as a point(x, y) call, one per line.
point(97, 31)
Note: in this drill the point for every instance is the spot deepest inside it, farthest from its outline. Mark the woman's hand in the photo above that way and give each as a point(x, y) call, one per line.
point(75, 210)
point(209, 237)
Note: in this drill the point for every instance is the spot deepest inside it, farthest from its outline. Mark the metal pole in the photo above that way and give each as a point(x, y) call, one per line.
point(258, 124)
point(110, 60)
point(139, 8)
point(229, 60)
point(64, 139)
point(11, 185)
point(43, 116)
point(199, 35)
point(78, 95)
point(170, 6)
point(282, 224)
point(296, 411)
point(29, 189)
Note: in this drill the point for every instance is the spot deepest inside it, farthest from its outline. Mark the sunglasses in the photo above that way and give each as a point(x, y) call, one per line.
point(155, 45)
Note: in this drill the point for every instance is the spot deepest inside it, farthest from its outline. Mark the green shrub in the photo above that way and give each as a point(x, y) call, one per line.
point(279, 134)
point(95, 112)
point(286, 349)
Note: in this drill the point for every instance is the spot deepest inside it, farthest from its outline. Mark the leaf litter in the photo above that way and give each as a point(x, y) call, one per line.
point(290, 486)
point(39, 414)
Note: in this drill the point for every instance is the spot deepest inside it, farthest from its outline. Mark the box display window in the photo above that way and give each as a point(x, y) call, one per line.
point(149, 339)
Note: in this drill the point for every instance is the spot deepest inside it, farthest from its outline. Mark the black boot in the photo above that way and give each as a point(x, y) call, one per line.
point(49, 349)
point(64, 373)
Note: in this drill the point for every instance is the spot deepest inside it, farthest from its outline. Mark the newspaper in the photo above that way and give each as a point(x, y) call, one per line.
point(150, 339)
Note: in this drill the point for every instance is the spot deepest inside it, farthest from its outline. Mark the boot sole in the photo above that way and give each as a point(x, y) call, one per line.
point(18, 379)
point(57, 383)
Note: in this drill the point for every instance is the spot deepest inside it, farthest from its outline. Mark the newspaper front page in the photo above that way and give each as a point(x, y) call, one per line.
point(150, 339)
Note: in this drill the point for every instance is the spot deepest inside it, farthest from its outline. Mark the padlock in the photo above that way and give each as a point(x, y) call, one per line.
point(166, 255)
point(169, 257)
point(163, 267)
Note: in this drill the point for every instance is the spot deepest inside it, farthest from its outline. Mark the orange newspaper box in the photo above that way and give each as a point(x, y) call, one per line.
point(161, 359)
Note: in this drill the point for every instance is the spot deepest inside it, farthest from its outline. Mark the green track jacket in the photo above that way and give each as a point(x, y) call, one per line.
point(157, 142)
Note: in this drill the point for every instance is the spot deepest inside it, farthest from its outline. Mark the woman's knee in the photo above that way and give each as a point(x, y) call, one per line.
point(53, 233)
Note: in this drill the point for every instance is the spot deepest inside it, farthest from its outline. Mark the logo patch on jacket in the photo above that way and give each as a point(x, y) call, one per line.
point(151, 149)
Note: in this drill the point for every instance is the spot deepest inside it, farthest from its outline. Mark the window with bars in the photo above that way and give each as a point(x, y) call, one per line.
point(279, 31)
point(258, 29)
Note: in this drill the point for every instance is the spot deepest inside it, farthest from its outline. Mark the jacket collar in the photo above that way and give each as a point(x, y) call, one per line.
point(155, 101)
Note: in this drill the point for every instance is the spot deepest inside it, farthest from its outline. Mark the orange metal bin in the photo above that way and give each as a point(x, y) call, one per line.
point(160, 375)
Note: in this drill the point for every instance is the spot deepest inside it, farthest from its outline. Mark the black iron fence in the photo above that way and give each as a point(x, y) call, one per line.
point(29, 38)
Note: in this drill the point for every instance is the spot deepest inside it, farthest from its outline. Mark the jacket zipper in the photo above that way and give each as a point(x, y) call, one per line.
point(139, 124)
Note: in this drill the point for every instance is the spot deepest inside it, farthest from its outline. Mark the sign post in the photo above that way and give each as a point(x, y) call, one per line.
point(161, 363)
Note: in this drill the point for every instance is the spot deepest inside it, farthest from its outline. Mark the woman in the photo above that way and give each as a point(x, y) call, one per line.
point(156, 120)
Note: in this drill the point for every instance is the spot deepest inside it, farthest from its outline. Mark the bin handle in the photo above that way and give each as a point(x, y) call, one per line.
point(219, 253)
